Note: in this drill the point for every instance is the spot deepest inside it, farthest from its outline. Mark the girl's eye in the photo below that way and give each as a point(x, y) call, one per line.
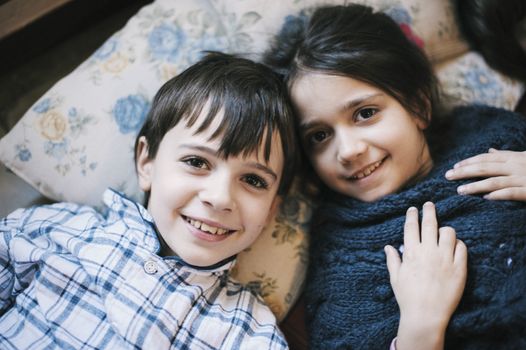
point(366, 113)
point(196, 162)
point(255, 181)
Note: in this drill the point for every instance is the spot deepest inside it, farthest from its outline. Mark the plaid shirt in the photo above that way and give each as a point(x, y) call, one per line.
point(71, 278)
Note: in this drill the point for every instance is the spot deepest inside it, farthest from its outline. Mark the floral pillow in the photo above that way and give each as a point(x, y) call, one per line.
point(78, 138)
point(467, 79)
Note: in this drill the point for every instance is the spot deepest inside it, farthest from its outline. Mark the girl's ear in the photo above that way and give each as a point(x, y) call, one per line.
point(144, 165)
point(423, 119)
point(422, 123)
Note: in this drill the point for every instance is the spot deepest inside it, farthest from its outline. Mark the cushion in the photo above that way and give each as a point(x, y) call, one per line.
point(467, 79)
point(77, 139)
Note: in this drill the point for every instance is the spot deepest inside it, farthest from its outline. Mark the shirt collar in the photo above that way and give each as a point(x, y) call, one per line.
point(135, 217)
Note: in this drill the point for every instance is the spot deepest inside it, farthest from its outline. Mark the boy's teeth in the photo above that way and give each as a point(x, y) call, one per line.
point(207, 228)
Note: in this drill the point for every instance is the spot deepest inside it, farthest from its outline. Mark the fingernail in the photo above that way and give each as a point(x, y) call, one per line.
point(411, 209)
point(449, 174)
point(428, 204)
point(461, 189)
point(456, 165)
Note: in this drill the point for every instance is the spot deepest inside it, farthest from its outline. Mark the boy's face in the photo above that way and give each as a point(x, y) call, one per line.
point(207, 208)
point(361, 141)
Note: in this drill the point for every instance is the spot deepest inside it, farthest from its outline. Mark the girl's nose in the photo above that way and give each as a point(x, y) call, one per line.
point(350, 148)
point(217, 193)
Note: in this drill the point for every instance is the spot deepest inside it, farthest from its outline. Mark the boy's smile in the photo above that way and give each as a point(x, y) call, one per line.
point(208, 208)
point(211, 228)
point(207, 230)
point(361, 141)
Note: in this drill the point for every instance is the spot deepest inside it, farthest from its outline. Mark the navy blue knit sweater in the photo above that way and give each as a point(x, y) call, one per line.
point(350, 303)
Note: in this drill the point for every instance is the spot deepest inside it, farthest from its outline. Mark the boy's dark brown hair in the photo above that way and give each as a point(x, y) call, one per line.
point(253, 98)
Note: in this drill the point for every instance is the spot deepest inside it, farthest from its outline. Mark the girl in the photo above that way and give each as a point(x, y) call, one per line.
point(366, 99)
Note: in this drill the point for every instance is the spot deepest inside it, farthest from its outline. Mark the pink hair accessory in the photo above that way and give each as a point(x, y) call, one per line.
point(408, 31)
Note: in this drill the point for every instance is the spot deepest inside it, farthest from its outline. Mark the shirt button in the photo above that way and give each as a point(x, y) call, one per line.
point(150, 267)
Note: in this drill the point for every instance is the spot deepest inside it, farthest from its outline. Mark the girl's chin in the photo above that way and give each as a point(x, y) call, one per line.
point(366, 195)
point(372, 197)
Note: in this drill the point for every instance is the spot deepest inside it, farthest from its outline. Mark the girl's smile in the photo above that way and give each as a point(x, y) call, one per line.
point(366, 171)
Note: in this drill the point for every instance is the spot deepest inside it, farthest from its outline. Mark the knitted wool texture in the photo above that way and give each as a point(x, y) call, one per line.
point(350, 303)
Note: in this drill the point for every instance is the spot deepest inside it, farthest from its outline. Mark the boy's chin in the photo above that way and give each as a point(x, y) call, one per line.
point(201, 262)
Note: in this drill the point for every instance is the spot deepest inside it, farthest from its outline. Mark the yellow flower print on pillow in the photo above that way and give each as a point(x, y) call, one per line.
point(53, 125)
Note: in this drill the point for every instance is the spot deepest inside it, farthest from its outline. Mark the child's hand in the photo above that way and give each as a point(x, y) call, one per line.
point(506, 172)
point(428, 282)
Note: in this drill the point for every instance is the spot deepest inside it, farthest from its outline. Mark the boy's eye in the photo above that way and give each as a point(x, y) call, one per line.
point(255, 181)
point(196, 162)
point(366, 113)
point(317, 137)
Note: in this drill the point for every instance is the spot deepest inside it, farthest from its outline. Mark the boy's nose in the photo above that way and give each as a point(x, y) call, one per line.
point(350, 148)
point(217, 194)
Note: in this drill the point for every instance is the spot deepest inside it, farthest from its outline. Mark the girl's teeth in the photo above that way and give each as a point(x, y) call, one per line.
point(367, 171)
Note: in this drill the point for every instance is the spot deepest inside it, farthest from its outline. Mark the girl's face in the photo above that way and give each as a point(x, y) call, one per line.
point(361, 141)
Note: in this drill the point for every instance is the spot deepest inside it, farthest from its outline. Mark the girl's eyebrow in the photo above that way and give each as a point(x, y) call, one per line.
point(213, 152)
point(349, 105)
point(358, 101)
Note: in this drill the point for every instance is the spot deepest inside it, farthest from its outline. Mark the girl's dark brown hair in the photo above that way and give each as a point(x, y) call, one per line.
point(356, 42)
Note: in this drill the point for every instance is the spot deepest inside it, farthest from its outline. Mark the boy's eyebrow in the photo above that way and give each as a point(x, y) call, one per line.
point(204, 149)
point(349, 105)
point(214, 152)
point(264, 169)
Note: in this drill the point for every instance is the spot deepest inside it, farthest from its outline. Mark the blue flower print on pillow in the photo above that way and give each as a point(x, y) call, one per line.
point(206, 43)
point(106, 49)
point(23, 153)
point(165, 41)
point(42, 106)
point(57, 150)
point(399, 15)
point(484, 85)
point(130, 112)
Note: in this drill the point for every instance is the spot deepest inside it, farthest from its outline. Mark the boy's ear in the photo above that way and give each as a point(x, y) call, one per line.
point(274, 207)
point(144, 165)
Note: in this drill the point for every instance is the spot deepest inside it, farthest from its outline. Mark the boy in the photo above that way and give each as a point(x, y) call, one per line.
point(212, 160)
